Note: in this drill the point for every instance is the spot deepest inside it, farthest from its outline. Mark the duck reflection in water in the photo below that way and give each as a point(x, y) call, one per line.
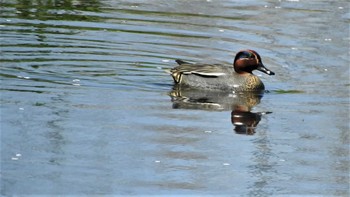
point(245, 121)
point(241, 104)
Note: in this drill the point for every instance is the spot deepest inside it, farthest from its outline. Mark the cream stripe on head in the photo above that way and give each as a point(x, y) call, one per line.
point(255, 55)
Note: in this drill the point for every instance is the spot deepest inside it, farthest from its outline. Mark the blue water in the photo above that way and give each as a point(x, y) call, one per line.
point(88, 109)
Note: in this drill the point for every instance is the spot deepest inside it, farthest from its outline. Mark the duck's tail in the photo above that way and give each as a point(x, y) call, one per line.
point(181, 62)
point(167, 71)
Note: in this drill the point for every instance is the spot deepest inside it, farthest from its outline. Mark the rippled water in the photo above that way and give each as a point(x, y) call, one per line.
point(87, 107)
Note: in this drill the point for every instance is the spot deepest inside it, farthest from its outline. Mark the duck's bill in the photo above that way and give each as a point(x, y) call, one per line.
point(263, 69)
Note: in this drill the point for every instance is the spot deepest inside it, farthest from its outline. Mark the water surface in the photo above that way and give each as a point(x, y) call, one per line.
point(87, 107)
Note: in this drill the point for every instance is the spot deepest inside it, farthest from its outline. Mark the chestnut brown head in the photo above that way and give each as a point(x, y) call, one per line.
point(248, 60)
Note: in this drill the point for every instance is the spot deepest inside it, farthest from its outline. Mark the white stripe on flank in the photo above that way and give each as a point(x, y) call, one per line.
point(209, 74)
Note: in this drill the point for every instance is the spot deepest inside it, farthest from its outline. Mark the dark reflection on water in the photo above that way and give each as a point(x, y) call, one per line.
point(240, 103)
point(245, 121)
point(45, 9)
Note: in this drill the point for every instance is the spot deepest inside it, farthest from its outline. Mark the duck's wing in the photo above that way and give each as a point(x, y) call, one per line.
point(204, 70)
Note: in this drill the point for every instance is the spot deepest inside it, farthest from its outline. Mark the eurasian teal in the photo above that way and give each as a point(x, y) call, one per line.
point(220, 77)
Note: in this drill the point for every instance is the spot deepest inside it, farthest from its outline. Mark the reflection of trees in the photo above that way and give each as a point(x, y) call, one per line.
point(56, 9)
point(262, 167)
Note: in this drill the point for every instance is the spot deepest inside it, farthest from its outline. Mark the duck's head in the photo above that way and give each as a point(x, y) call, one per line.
point(248, 60)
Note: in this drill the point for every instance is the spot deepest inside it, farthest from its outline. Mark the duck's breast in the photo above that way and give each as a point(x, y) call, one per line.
point(253, 83)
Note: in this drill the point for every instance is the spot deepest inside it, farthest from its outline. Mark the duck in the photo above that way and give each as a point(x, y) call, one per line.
point(240, 77)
